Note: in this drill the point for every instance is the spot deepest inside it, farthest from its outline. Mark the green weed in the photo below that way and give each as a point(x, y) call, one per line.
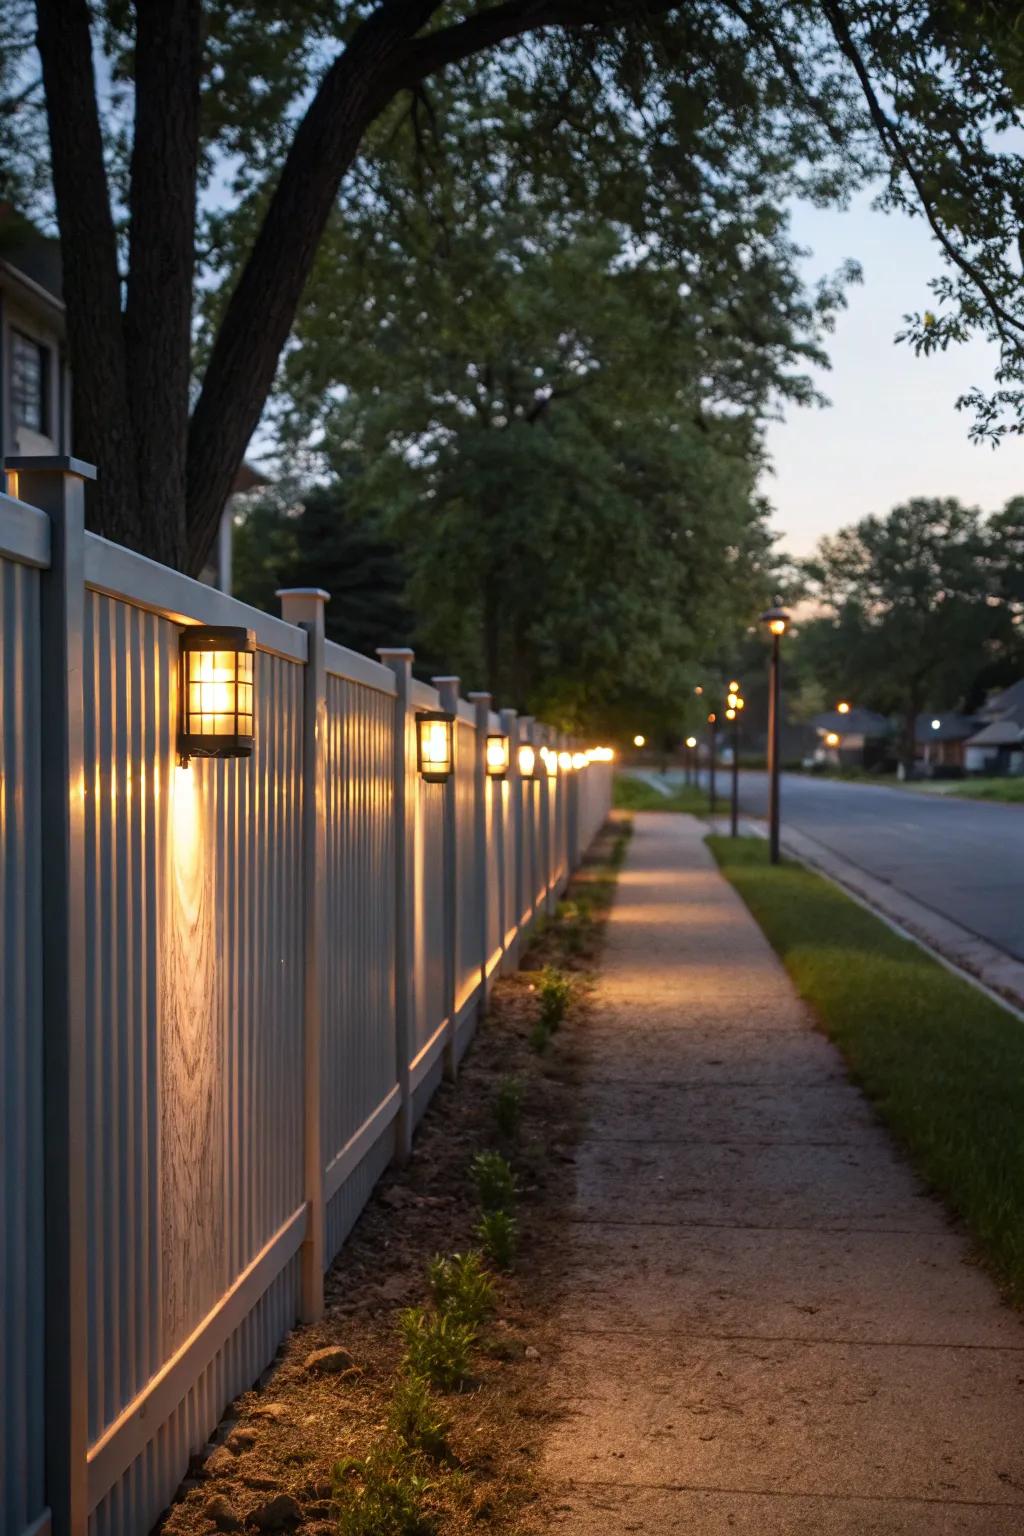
point(418, 1419)
point(498, 1232)
point(494, 1180)
point(437, 1347)
point(382, 1494)
point(461, 1287)
point(555, 989)
point(508, 1106)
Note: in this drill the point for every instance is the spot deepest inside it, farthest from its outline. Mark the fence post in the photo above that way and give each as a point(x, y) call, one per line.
point(574, 818)
point(304, 606)
point(481, 703)
point(448, 692)
point(527, 799)
point(545, 815)
point(57, 487)
point(513, 846)
point(400, 660)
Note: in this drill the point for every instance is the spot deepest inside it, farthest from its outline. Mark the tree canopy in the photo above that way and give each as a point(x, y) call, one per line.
point(915, 609)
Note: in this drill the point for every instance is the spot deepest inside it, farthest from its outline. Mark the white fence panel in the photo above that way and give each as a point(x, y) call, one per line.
point(23, 531)
point(359, 1042)
point(194, 1059)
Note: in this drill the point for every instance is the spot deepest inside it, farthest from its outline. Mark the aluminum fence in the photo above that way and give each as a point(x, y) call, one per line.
point(229, 991)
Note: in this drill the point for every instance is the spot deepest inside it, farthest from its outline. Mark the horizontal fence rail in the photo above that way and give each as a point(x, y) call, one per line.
point(229, 990)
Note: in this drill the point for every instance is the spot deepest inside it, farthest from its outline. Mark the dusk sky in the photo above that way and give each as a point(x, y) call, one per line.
point(892, 430)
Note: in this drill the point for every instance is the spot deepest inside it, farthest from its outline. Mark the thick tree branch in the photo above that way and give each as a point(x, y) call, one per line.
point(158, 310)
point(384, 56)
point(89, 254)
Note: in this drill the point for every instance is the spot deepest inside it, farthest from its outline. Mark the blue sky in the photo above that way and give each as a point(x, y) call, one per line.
point(892, 430)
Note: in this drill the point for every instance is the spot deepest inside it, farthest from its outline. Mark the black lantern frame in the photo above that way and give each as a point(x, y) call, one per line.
point(435, 769)
point(216, 684)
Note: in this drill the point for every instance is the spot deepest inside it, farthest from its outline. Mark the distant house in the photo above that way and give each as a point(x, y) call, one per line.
point(998, 747)
point(852, 738)
point(35, 393)
point(940, 743)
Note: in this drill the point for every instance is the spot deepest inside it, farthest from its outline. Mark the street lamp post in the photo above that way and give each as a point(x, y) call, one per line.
point(712, 737)
point(777, 620)
point(732, 714)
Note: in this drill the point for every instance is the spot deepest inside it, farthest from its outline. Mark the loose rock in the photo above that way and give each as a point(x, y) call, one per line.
point(241, 1440)
point(328, 1361)
point(276, 1514)
point(219, 1509)
point(530, 1353)
point(219, 1462)
point(276, 1411)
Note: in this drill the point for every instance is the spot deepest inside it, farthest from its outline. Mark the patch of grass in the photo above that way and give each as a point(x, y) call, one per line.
point(508, 1107)
point(494, 1180)
point(498, 1232)
point(637, 795)
point(461, 1287)
point(418, 1419)
point(437, 1347)
point(382, 1494)
point(943, 1064)
point(1006, 791)
point(555, 989)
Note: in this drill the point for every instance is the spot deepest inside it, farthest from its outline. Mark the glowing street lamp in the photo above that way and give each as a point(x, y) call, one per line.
point(842, 707)
point(777, 621)
point(832, 739)
point(639, 740)
point(733, 715)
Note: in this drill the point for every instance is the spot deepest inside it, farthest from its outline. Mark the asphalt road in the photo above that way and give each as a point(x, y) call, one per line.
point(963, 858)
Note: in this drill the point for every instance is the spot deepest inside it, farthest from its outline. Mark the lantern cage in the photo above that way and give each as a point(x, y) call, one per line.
point(215, 692)
point(435, 745)
point(497, 756)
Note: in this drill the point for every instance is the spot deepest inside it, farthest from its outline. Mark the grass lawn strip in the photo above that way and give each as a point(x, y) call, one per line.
point(942, 1063)
point(352, 1430)
point(637, 795)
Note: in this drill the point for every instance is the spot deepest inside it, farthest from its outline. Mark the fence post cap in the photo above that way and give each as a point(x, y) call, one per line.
point(303, 592)
point(395, 653)
point(49, 464)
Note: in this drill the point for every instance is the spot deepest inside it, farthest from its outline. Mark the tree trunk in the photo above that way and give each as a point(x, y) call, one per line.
point(158, 308)
point(100, 394)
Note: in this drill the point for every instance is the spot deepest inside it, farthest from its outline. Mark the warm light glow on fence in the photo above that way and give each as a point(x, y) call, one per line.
point(434, 745)
point(579, 760)
point(497, 756)
point(565, 761)
point(550, 761)
point(527, 760)
point(216, 692)
point(600, 755)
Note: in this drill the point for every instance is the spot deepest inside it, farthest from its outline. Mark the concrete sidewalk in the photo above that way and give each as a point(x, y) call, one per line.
point(771, 1328)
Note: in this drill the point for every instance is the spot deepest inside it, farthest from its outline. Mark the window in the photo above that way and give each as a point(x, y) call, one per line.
point(29, 361)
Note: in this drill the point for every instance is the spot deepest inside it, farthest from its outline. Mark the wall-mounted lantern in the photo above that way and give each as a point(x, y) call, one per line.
point(527, 760)
point(565, 761)
point(497, 756)
point(435, 745)
point(550, 761)
point(215, 692)
point(579, 761)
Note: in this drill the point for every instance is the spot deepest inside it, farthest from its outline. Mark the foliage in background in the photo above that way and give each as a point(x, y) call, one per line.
point(913, 608)
point(312, 538)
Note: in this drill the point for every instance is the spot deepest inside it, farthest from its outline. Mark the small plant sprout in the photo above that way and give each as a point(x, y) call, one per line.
point(556, 990)
point(417, 1418)
point(437, 1347)
point(461, 1287)
point(495, 1182)
point(508, 1106)
point(498, 1232)
point(382, 1494)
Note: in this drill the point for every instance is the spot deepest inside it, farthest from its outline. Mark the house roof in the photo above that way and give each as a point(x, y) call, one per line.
point(856, 722)
point(1007, 705)
point(999, 733)
point(951, 727)
point(29, 254)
